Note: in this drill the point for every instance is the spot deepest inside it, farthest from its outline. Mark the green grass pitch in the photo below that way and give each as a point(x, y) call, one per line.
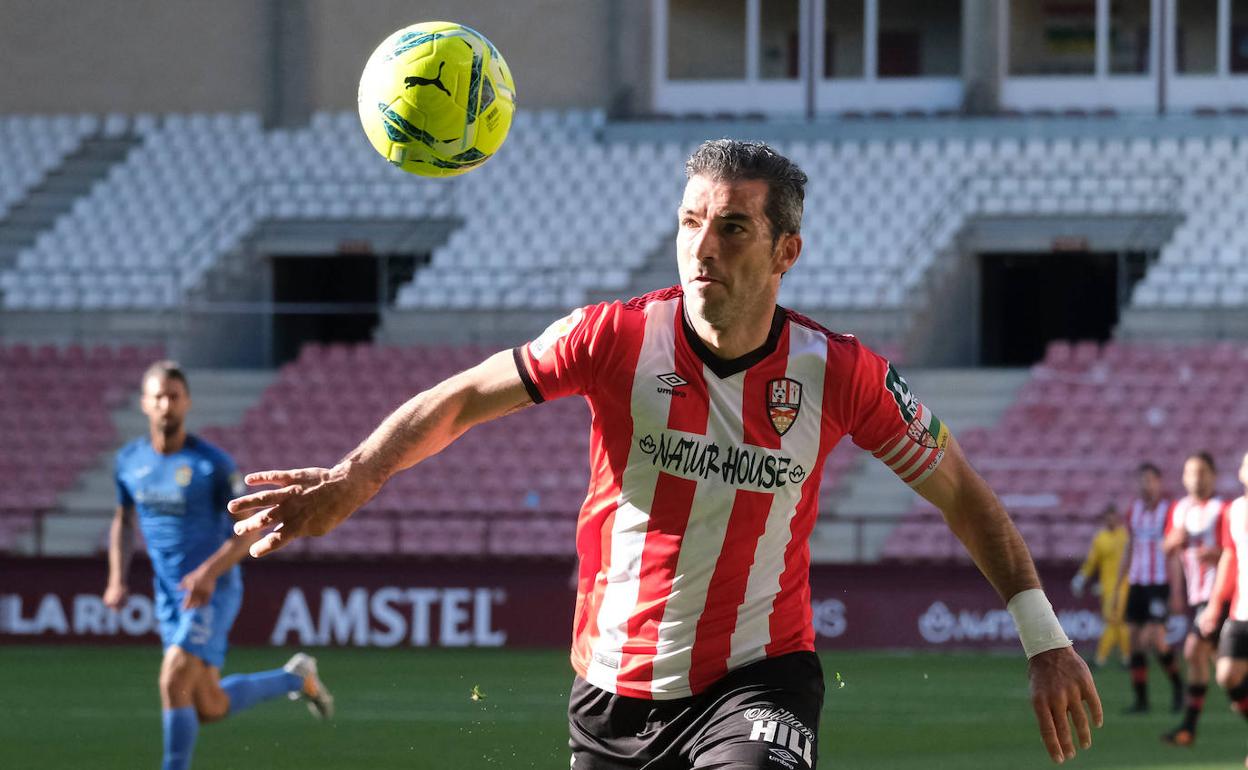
point(97, 708)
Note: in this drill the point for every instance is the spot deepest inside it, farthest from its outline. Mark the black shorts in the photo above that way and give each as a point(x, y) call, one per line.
point(1148, 604)
point(1193, 627)
point(764, 715)
point(1234, 642)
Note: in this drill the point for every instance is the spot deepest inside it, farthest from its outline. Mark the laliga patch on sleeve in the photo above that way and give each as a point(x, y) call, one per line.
point(555, 332)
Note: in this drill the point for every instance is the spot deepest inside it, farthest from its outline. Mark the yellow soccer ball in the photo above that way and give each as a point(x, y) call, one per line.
point(436, 99)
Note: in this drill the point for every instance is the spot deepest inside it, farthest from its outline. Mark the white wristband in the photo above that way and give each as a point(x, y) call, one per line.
point(1038, 628)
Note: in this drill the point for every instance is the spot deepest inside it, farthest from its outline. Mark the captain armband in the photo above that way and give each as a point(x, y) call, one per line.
point(915, 454)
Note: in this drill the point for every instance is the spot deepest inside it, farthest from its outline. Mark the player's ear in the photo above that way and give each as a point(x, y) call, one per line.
point(788, 249)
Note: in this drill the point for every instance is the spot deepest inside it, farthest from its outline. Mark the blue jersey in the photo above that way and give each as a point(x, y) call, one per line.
point(180, 500)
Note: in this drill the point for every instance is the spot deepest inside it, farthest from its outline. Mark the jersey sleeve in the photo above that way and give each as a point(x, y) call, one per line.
point(1225, 541)
point(124, 498)
point(887, 420)
point(563, 360)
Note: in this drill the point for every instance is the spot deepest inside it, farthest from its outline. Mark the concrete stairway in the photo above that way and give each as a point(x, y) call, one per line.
point(219, 397)
point(962, 398)
point(56, 194)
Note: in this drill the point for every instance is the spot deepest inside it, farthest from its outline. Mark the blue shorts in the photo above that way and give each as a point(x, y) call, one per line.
point(204, 631)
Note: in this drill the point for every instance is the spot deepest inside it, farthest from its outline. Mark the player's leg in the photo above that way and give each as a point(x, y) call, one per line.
point(1109, 632)
point(1119, 622)
point(179, 676)
point(764, 716)
point(1158, 613)
point(1139, 666)
point(217, 698)
point(1139, 630)
point(297, 679)
point(1232, 665)
point(1198, 654)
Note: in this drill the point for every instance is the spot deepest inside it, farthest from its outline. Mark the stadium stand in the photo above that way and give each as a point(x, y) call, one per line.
point(537, 237)
point(1086, 418)
point(32, 145)
point(54, 416)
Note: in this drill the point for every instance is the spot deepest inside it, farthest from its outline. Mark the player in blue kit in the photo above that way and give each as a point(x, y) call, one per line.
point(178, 485)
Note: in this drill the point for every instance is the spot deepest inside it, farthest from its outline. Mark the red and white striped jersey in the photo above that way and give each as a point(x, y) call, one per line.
point(1148, 530)
point(704, 483)
point(1235, 539)
point(1203, 522)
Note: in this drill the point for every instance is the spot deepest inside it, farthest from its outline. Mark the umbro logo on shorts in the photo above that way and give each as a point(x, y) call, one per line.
point(784, 758)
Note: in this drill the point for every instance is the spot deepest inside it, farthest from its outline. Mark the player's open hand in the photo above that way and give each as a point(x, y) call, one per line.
point(198, 585)
point(115, 596)
point(308, 501)
point(1060, 686)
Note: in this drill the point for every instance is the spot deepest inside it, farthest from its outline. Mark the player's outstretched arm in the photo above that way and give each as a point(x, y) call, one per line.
point(1060, 681)
point(312, 501)
point(120, 553)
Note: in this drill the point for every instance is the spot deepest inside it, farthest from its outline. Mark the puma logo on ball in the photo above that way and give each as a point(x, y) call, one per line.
point(415, 80)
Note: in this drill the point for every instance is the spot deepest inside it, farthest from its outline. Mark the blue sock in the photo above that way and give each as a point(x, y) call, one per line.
point(246, 690)
point(181, 726)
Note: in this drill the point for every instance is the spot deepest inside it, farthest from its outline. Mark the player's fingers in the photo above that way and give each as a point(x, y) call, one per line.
point(257, 522)
point(1093, 699)
point(1082, 729)
point(266, 499)
point(1048, 733)
point(1063, 728)
point(283, 478)
point(269, 543)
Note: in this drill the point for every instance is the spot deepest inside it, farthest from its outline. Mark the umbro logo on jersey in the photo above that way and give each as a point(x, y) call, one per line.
point(673, 381)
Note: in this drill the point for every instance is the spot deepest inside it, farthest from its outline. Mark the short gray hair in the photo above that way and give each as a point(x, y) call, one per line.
point(731, 160)
point(166, 370)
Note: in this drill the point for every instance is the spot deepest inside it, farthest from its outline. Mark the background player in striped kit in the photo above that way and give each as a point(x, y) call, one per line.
point(1104, 560)
point(1152, 579)
point(713, 412)
point(1231, 585)
point(176, 485)
point(1194, 535)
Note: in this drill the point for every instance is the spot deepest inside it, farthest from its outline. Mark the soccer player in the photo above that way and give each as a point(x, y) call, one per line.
point(1152, 579)
point(1105, 560)
point(713, 412)
point(177, 485)
point(1193, 533)
point(1231, 584)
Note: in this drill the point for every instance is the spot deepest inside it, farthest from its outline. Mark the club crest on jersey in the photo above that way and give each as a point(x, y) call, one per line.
point(784, 399)
point(183, 476)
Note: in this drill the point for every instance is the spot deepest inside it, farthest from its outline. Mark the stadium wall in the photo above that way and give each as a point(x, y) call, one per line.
point(282, 56)
point(504, 603)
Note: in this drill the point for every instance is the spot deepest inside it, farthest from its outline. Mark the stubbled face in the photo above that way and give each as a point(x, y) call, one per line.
point(1150, 485)
point(165, 402)
point(1198, 478)
point(727, 261)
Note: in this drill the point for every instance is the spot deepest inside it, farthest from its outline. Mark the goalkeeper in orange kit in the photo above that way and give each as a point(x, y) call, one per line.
point(1104, 558)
